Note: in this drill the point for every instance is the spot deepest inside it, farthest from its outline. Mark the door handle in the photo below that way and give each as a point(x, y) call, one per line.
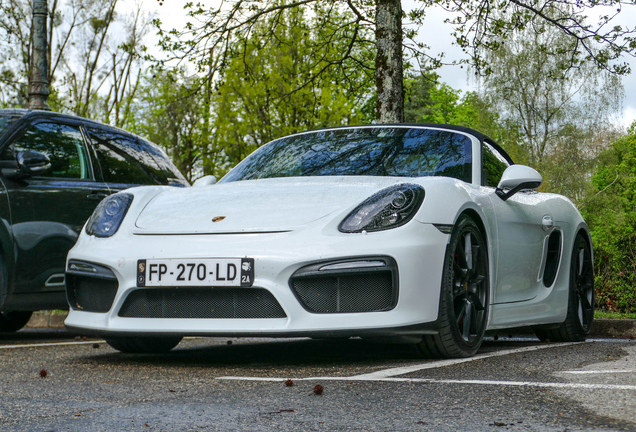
point(97, 196)
point(547, 223)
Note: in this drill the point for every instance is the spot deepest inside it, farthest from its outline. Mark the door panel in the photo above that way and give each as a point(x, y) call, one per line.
point(520, 249)
point(48, 211)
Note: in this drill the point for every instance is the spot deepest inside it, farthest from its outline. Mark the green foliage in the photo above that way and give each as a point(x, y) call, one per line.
point(278, 81)
point(94, 58)
point(428, 101)
point(611, 215)
point(563, 117)
point(173, 114)
point(529, 86)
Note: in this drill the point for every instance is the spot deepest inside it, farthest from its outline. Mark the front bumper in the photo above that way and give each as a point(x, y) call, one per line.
point(416, 248)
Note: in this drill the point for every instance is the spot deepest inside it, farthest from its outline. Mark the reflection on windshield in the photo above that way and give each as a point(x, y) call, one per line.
point(381, 151)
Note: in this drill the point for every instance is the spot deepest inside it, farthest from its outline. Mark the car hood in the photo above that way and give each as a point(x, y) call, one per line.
point(266, 205)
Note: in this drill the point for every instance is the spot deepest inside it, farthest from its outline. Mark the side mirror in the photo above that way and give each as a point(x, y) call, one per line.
point(205, 181)
point(26, 164)
point(32, 163)
point(516, 178)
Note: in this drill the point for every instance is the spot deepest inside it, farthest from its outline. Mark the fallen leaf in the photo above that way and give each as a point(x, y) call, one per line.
point(318, 389)
point(289, 383)
point(43, 373)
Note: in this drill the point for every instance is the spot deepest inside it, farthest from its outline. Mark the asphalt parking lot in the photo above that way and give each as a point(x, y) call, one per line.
point(514, 383)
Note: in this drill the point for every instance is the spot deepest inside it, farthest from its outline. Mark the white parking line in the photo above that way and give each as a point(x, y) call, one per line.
point(594, 372)
point(450, 381)
point(521, 384)
point(384, 375)
point(438, 364)
point(36, 345)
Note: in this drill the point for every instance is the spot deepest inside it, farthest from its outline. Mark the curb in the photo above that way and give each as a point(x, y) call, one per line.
point(614, 328)
point(603, 328)
point(46, 319)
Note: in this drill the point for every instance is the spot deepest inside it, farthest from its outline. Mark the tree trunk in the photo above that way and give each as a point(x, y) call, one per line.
point(388, 62)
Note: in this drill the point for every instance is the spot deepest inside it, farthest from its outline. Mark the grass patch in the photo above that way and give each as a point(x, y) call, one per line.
point(53, 312)
point(613, 315)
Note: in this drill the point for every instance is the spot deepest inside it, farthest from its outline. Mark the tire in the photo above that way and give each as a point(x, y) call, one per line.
point(144, 345)
point(464, 297)
point(581, 297)
point(11, 321)
point(14, 321)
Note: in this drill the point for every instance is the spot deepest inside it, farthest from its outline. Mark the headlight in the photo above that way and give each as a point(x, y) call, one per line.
point(390, 208)
point(108, 215)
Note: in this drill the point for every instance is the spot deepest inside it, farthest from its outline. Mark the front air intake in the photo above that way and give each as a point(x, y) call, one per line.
point(356, 285)
point(90, 287)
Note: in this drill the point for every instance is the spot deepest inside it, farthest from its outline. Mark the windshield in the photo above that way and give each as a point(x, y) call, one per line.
point(7, 119)
point(370, 151)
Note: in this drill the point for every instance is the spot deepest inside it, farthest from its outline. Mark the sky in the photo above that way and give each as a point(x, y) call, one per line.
point(171, 13)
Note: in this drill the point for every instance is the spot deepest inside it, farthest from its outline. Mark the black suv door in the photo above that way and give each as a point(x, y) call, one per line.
point(49, 209)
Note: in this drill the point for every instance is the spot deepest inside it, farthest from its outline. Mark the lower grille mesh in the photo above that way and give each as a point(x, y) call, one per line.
point(344, 293)
point(201, 303)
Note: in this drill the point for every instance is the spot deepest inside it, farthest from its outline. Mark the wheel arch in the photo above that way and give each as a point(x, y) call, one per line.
point(7, 255)
point(474, 215)
point(585, 232)
point(7, 247)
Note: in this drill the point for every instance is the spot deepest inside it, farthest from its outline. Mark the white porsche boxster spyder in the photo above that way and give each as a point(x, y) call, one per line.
point(423, 234)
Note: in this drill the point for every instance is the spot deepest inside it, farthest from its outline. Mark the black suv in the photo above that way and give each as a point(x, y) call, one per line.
point(54, 170)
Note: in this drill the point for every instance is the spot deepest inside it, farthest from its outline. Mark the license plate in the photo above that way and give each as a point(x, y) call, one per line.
point(237, 272)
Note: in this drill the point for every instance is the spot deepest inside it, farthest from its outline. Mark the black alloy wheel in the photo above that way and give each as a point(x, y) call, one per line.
point(465, 294)
point(581, 297)
point(583, 283)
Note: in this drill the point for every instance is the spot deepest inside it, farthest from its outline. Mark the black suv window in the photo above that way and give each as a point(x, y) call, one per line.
point(124, 160)
point(165, 166)
point(64, 146)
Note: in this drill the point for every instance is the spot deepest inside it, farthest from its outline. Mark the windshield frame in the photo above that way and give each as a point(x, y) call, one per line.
point(466, 132)
point(9, 113)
